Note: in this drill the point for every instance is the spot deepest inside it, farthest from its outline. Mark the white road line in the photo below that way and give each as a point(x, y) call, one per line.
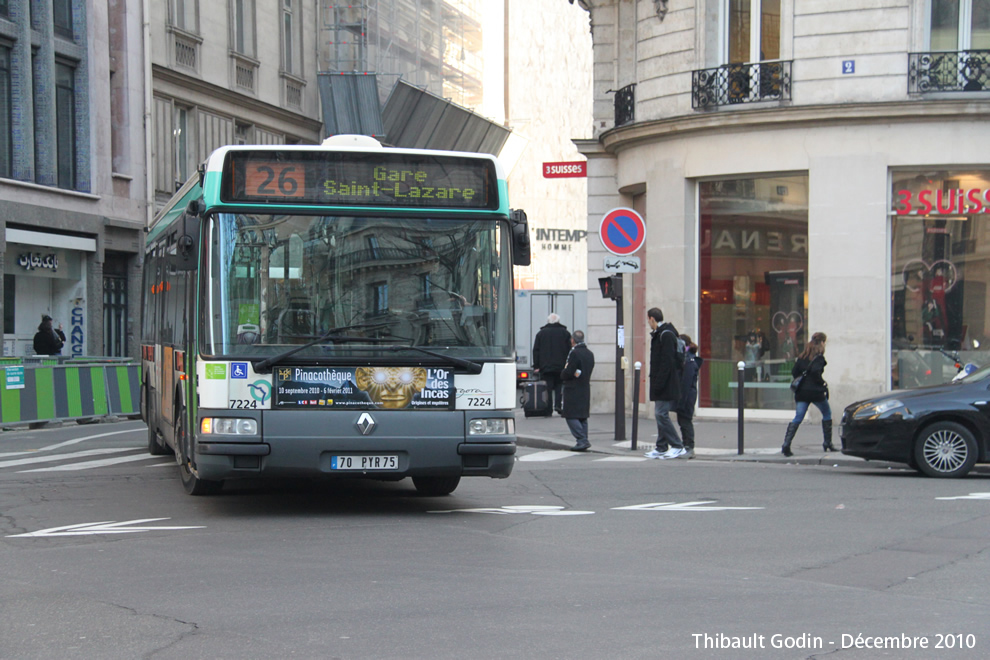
point(87, 465)
point(91, 437)
point(48, 458)
point(169, 464)
point(622, 459)
point(550, 455)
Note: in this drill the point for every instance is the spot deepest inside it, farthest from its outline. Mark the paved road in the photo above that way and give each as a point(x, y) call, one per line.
point(573, 556)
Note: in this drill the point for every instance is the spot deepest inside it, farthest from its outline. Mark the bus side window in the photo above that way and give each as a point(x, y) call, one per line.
point(180, 282)
point(153, 290)
point(147, 300)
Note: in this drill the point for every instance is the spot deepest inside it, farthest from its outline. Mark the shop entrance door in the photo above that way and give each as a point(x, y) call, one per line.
point(115, 307)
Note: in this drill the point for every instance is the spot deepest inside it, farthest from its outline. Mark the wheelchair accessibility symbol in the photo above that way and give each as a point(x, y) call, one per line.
point(238, 370)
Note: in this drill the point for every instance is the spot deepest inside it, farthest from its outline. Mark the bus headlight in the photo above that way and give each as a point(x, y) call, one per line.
point(499, 426)
point(229, 426)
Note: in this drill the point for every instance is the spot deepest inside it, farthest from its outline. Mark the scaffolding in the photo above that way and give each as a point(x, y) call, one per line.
point(433, 44)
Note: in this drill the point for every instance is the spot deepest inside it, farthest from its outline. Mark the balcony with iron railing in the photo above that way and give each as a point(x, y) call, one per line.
point(732, 84)
point(963, 71)
point(625, 105)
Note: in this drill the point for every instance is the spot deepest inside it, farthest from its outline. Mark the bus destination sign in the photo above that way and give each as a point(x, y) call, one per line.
point(359, 179)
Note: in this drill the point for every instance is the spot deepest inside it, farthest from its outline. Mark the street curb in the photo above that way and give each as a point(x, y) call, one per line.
point(836, 460)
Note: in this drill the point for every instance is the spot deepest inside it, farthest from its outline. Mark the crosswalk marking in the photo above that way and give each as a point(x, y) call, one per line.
point(86, 465)
point(48, 458)
point(622, 459)
point(559, 454)
point(549, 455)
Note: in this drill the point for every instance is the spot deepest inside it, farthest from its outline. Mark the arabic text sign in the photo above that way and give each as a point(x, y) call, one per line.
point(622, 265)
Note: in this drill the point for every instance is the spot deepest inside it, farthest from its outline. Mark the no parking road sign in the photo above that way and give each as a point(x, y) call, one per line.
point(622, 231)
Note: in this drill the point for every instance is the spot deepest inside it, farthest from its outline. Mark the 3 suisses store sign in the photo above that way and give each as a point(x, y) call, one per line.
point(942, 202)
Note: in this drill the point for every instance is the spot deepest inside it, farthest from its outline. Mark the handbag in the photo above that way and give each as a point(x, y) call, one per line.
point(796, 383)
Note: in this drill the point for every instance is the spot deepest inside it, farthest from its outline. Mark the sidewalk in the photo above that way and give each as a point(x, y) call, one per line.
point(714, 440)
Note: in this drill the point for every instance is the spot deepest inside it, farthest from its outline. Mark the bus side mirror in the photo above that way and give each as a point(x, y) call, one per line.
point(186, 255)
point(520, 238)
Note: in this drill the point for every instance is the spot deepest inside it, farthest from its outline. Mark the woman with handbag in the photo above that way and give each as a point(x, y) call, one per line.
point(810, 388)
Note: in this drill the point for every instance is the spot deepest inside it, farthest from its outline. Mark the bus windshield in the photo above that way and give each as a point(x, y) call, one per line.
point(365, 284)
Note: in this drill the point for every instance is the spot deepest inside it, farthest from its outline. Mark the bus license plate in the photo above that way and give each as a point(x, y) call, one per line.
point(364, 462)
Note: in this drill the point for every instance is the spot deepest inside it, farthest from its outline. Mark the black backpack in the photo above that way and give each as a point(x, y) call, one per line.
point(680, 354)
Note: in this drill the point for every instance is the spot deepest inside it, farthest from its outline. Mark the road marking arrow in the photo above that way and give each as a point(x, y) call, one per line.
point(971, 496)
point(684, 506)
point(105, 527)
point(536, 510)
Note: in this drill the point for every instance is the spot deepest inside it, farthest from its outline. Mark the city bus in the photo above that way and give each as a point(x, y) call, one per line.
point(342, 310)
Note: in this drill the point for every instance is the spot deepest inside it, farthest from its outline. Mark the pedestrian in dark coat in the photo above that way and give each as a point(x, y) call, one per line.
point(689, 395)
point(48, 340)
point(665, 385)
point(810, 366)
point(550, 349)
point(577, 390)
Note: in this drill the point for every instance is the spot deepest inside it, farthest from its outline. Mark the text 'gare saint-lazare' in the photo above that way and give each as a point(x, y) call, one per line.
point(396, 183)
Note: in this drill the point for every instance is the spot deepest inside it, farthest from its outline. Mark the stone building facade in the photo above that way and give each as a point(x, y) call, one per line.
point(813, 166)
point(72, 172)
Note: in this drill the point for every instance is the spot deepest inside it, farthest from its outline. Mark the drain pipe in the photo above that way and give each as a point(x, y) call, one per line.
point(149, 190)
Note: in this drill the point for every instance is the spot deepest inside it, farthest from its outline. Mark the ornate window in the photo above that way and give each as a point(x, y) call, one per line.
point(292, 45)
point(242, 26)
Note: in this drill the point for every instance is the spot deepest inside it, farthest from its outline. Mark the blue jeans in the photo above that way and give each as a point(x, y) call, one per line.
point(802, 409)
point(579, 429)
point(666, 433)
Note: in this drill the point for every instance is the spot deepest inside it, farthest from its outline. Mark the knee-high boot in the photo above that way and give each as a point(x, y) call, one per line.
point(788, 437)
point(827, 434)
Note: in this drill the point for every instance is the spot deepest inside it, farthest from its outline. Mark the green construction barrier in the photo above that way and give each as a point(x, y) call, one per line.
point(36, 393)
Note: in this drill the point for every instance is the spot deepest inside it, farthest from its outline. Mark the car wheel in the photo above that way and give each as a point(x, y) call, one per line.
point(435, 486)
point(945, 449)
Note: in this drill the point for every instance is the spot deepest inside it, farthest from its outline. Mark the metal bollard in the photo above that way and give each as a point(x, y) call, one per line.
point(741, 366)
point(635, 421)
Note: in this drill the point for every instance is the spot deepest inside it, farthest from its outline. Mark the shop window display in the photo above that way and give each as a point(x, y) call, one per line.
point(753, 262)
point(940, 266)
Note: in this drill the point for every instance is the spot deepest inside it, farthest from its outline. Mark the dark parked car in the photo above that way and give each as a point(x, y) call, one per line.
point(941, 430)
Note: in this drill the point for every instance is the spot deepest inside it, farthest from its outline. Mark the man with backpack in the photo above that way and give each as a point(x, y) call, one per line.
point(551, 347)
point(667, 359)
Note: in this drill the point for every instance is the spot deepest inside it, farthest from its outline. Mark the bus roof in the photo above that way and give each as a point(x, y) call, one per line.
point(205, 186)
point(348, 143)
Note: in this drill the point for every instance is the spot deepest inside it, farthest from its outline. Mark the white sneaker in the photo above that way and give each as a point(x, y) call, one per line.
point(673, 452)
point(653, 453)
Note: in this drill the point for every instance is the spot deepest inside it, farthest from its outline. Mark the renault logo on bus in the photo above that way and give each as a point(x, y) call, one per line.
point(365, 424)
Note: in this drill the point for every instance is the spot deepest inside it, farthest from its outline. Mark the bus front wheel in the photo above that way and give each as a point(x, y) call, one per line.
point(435, 486)
point(192, 483)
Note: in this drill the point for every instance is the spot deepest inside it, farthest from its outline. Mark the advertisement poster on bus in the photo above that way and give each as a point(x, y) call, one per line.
point(390, 388)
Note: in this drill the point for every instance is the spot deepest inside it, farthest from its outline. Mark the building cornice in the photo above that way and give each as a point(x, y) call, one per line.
point(618, 139)
point(188, 87)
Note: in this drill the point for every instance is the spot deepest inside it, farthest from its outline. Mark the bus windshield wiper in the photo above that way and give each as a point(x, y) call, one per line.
point(468, 365)
point(263, 365)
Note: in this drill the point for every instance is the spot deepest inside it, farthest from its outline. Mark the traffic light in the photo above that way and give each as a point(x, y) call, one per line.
point(611, 287)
